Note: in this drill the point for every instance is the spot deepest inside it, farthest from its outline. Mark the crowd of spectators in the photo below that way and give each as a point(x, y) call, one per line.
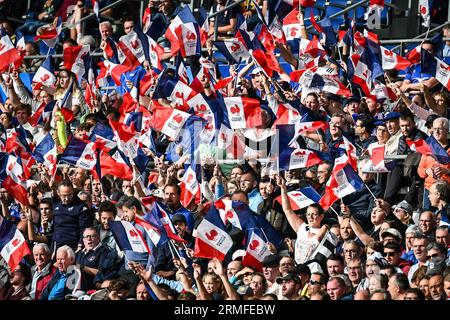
point(392, 236)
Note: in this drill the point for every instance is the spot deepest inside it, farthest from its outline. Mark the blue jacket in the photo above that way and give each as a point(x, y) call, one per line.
point(70, 222)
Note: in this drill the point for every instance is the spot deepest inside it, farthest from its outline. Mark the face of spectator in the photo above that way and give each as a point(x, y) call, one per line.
point(355, 273)
point(335, 290)
point(419, 249)
point(236, 173)
point(442, 237)
point(409, 237)
point(105, 217)
point(434, 196)
point(44, 97)
point(374, 284)
point(426, 222)
point(433, 253)
point(247, 182)
point(447, 288)
point(323, 173)
point(286, 265)
point(22, 116)
point(64, 79)
point(352, 107)
point(393, 126)
point(210, 284)
point(263, 190)
point(401, 214)
point(424, 287)
point(382, 134)
point(411, 296)
point(270, 273)
point(315, 284)
point(334, 268)
point(5, 121)
point(96, 187)
point(105, 31)
point(257, 285)
point(40, 257)
point(87, 186)
point(17, 277)
point(372, 268)
point(141, 292)
point(128, 214)
point(65, 194)
point(359, 129)
point(233, 268)
point(181, 228)
point(371, 105)
point(90, 239)
point(346, 230)
point(428, 47)
point(407, 125)
point(436, 287)
point(392, 256)
point(350, 251)
point(128, 26)
point(231, 188)
point(46, 212)
point(166, 6)
point(171, 197)
point(336, 126)
point(78, 177)
point(313, 217)
point(63, 261)
point(289, 288)
point(257, 81)
point(377, 216)
point(378, 296)
point(312, 103)
point(126, 187)
point(440, 131)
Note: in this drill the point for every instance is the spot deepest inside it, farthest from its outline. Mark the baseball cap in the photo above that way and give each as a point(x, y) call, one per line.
point(271, 261)
point(288, 277)
point(391, 115)
point(392, 232)
point(77, 294)
point(238, 254)
point(379, 259)
point(256, 71)
point(404, 205)
point(436, 266)
point(301, 269)
point(352, 99)
point(179, 218)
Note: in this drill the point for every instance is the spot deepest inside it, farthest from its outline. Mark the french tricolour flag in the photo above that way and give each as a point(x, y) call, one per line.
point(128, 237)
point(348, 181)
point(377, 163)
point(108, 68)
point(45, 74)
point(184, 34)
point(243, 112)
point(81, 154)
point(76, 59)
point(443, 73)
point(414, 55)
point(291, 159)
point(132, 49)
point(212, 241)
point(256, 250)
point(430, 146)
point(50, 35)
point(11, 177)
point(161, 212)
point(9, 54)
point(301, 198)
point(190, 188)
point(391, 60)
point(233, 50)
point(424, 9)
point(151, 231)
point(12, 244)
point(228, 213)
point(169, 121)
point(46, 152)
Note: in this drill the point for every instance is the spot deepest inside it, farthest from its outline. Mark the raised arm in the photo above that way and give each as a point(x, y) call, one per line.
point(220, 271)
point(294, 220)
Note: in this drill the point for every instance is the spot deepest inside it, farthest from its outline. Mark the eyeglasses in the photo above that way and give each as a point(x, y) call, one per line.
point(433, 256)
point(313, 282)
point(91, 236)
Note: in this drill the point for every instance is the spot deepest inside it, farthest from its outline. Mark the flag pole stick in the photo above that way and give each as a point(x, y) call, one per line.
point(370, 191)
point(175, 249)
point(334, 211)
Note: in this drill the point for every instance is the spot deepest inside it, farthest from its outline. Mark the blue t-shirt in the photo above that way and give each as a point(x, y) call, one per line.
point(415, 75)
point(57, 292)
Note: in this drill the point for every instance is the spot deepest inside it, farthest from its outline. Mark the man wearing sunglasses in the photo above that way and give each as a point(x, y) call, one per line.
point(392, 253)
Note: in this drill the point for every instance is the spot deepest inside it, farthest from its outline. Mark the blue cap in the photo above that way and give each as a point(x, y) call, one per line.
point(391, 116)
point(351, 99)
point(379, 123)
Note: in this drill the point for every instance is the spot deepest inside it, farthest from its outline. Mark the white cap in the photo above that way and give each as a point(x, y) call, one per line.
point(238, 254)
point(256, 70)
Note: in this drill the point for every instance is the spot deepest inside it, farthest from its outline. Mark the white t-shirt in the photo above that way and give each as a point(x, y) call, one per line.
point(305, 245)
